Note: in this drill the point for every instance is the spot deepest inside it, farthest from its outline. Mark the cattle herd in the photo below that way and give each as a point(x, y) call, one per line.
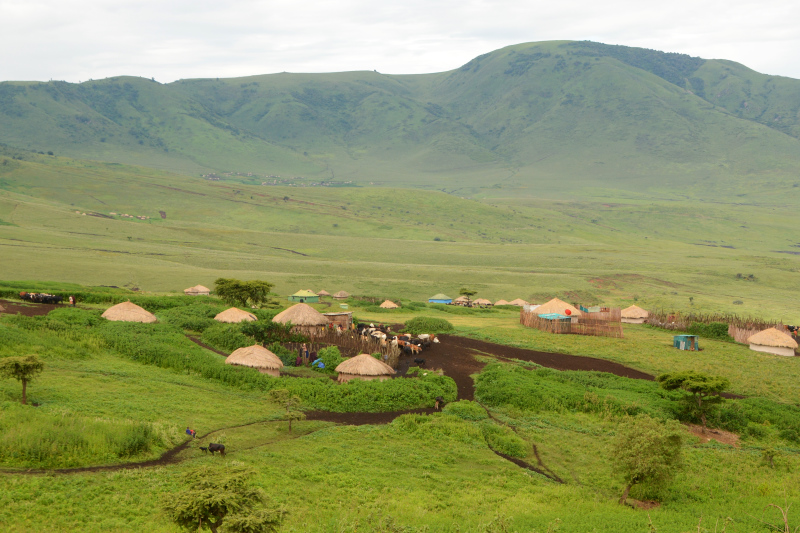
point(40, 297)
point(408, 344)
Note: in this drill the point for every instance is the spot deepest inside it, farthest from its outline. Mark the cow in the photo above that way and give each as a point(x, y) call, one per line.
point(204, 449)
point(214, 447)
point(420, 362)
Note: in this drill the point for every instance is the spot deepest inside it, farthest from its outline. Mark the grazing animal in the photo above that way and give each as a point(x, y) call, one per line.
point(420, 362)
point(214, 447)
point(204, 449)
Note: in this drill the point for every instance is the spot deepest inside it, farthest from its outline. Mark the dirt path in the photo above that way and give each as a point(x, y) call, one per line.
point(27, 309)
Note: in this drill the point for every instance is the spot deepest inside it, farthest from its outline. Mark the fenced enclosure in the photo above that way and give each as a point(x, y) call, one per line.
point(592, 326)
point(740, 328)
point(350, 344)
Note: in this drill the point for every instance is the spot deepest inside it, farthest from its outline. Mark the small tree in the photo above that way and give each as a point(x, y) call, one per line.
point(469, 293)
point(215, 496)
point(269, 332)
point(22, 369)
point(242, 293)
point(646, 451)
point(703, 391)
point(291, 402)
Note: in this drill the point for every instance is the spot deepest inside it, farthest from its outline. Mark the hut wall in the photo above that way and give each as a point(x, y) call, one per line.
point(272, 372)
point(342, 319)
point(776, 350)
point(344, 378)
point(632, 320)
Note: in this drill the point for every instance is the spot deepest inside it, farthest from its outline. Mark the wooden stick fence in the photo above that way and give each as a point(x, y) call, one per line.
point(350, 344)
point(575, 326)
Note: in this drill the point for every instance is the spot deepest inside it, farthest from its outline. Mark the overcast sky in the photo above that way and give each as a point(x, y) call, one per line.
point(77, 40)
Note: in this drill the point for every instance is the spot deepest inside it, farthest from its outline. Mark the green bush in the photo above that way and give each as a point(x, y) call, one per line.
point(226, 337)
point(467, 410)
point(424, 324)
point(416, 305)
point(439, 427)
point(287, 357)
point(503, 439)
point(331, 357)
point(193, 317)
point(712, 330)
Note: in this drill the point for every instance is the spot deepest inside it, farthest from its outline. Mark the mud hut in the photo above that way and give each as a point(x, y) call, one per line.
point(483, 302)
point(256, 356)
point(773, 341)
point(558, 306)
point(341, 295)
point(322, 293)
point(128, 312)
point(519, 302)
point(197, 290)
point(501, 302)
point(634, 315)
point(304, 318)
point(364, 367)
point(234, 315)
point(388, 304)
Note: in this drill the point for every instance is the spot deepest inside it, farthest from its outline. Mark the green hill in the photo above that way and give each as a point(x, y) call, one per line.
point(555, 119)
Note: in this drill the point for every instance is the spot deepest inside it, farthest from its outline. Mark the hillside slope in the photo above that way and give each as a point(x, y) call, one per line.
point(554, 119)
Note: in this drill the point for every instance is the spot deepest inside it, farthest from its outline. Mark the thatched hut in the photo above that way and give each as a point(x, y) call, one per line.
point(519, 302)
point(322, 293)
point(197, 290)
point(128, 312)
point(501, 302)
point(440, 299)
point(304, 318)
point(634, 315)
point(234, 315)
point(364, 367)
point(256, 356)
point(305, 296)
point(341, 295)
point(483, 302)
point(388, 304)
point(773, 341)
point(558, 306)
point(461, 300)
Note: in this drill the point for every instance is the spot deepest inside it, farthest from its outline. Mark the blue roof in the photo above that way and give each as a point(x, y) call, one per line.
point(553, 316)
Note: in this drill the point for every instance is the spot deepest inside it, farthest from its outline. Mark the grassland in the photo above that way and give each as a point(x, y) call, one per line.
point(419, 473)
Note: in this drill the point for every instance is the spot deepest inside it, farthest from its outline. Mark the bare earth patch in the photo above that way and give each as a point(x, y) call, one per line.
point(719, 435)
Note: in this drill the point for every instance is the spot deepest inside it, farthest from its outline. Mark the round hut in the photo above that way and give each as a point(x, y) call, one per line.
point(519, 302)
point(483, 302)
point(388, 304)
point(634, 315)
point(559, 307)
point(256, 356)
point(341, 295)
point(773, 341)
point(501, 302)
point(304, 318)
point(364, 367)
point(197, 290)
point(128, 312)
point(322, 293)
point(234, 316)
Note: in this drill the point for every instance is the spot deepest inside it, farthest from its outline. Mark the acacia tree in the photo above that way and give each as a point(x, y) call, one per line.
point(242, 293)
point(215, 496)
point(703, 391)
point(469, 293)
point(291, 402)
point(22, 369)
point(646, 451)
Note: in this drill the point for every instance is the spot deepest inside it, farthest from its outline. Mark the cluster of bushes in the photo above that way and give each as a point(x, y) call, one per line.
point(460, 310)
point(331, 357)
point(196, 317)
point(226, 337)
point(425, 324)
point(34, 438)
point(710, 330)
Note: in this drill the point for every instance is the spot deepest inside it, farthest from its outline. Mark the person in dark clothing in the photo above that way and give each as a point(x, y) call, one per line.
point(298, 361)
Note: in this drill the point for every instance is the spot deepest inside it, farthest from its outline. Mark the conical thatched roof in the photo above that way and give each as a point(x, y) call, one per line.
point(255, 356)
point(197, 289)
point(128, 312)
point(519, 301)
point(341, 294)
point(301, 315)
point(323, 292)
point(461, 299)
point(482, 301)
point(773, 337)
point(234, 315)
point(557, 306)
point(388, 304)
point(365, 365)
point(501, 302)
point(440, 296)
point(304, 294)
point(634, 311)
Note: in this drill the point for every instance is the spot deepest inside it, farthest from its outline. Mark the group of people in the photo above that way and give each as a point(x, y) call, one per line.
point(305, 357)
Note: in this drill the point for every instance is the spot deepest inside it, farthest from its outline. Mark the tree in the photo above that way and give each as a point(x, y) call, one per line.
point(646, 451)
point(469, 293)
point(291, 402)
point(268, 332)
point(703, 391)
point(22, 369)
point(242, 293)
point(215, 496)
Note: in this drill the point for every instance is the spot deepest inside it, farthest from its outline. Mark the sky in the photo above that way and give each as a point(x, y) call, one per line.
point(78, 40)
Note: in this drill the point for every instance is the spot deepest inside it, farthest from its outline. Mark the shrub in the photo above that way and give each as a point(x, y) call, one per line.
point(331, 357)
point(193, 317)
point(503, 439)
point(712, 330)
point(226, 337)
point(286, 356)
point(424, 324)
point(466, 409)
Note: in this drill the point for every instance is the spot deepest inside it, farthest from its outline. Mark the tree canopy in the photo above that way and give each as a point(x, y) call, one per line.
point(242, 293)
point(214, 497)
point(23, 369)
point(646, 450)
point(703, 391)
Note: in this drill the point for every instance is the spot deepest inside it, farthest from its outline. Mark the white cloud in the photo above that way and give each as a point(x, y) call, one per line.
point(180, 39)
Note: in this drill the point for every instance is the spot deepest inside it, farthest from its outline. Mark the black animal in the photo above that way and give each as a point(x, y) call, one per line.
point(204, 449)
point(214, 447)
point(420, 362)
point(40, 297)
